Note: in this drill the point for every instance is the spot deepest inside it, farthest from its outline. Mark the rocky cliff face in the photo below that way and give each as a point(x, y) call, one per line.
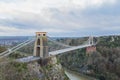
point(48, 69)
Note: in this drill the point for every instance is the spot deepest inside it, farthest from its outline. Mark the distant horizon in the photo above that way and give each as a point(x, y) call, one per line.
point(61, 36)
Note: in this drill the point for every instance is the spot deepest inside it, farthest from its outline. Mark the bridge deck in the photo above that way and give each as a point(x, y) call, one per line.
point(28, 59)
point(32, 58)
point(68, 49)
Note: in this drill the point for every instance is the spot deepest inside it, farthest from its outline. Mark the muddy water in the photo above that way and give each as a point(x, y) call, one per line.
point(74, 76)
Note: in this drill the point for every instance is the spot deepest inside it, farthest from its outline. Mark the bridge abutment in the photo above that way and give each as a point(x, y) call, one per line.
point(90, 50)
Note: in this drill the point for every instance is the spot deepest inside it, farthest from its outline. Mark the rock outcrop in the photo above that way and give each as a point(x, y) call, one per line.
point(45, 69)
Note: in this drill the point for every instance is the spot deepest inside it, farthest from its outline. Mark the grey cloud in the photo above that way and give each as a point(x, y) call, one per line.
point(85, 22)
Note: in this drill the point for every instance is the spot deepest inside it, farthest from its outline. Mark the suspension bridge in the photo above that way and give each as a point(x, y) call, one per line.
point(41, 48)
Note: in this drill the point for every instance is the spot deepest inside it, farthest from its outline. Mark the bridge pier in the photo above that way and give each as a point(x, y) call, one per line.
point(90, 50)
point(41, 47)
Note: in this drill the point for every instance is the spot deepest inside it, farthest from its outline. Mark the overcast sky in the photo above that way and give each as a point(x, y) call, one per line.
point(60, 17)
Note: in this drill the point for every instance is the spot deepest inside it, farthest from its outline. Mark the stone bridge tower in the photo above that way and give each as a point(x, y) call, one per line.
point(91, 40)
point(92, 48)
point(41, 47)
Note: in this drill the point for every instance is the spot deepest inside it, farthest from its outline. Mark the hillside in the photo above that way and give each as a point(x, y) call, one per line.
point(103, 64)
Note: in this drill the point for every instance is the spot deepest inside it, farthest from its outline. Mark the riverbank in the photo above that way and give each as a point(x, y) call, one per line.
point(77, 76)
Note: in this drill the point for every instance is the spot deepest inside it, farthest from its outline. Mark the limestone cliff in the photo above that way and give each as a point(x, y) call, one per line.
point(47, 69)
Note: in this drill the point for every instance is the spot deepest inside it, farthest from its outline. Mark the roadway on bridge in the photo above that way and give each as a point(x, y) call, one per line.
point(33, 58)
point(28, 59)
point(68, 49)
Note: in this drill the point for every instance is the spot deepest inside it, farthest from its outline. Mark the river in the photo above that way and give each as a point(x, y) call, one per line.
point(74, 76)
